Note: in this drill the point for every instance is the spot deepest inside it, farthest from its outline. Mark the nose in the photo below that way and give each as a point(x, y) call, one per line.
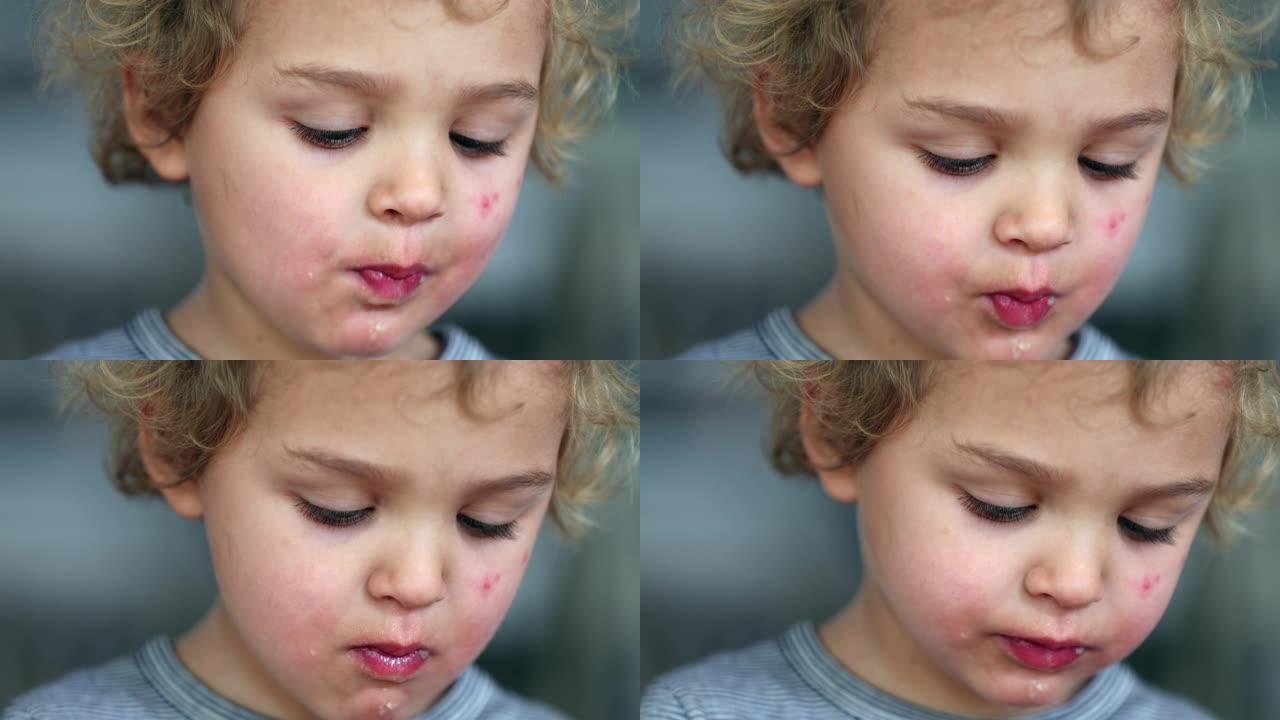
point(1039, 219)
point(412, 191)
point(410, 572)
point(1070, 573)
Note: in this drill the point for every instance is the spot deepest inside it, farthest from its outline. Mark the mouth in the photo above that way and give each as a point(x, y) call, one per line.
point(1044, 654)
point(1021, 309)
point(391, 283)
point(389, 661)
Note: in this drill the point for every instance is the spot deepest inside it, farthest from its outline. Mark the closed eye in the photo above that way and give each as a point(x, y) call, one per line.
point(328, 139)
point(472, 147)
point(332, 518)
point(995, 513)
point(1103, 171)
point(956, 166)
point(504, 531)
point(1142, 533)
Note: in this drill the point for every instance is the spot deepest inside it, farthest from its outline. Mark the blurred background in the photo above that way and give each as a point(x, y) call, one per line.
point(732, 554)
point(80, 257)
point(87, 575)
point(720, 250)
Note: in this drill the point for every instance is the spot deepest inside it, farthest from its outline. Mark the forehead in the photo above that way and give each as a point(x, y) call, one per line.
point(1082, 415)
point(410, 39)
point(1022, 54)
point(414, 412)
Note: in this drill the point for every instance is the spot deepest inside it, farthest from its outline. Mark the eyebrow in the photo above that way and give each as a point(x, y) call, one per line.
point(381, 475)
point(373, 84)
point(1006, 120)
point(1046, 474)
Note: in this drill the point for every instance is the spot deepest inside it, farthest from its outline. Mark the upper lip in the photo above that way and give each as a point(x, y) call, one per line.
point(396, 271)
point(393, 648)
point(1051, 643)
point(1026, 296)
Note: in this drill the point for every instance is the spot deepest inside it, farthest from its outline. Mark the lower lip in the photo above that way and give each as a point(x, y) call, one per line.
point(1016, 313)
point(389, 667)
point(1039, 657)
point(386, 287)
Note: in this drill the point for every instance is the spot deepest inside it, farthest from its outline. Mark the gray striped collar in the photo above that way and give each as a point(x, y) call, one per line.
point(1101, 698)
point(153, 339)
point(466, 699)
point(782, 335)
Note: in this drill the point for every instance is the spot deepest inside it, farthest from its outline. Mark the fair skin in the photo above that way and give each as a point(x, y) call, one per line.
point(441, 505)
point(978, 182)
point(1114, 502)
point(352, 170)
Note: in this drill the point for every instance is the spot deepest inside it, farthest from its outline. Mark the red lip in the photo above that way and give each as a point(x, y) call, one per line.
point(389, 661)
point(392, 282)
point(1019, 309)
point(1043, 653)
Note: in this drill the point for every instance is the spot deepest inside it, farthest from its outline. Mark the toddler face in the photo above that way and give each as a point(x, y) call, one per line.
point(1024, 531)
point(354, 169)
point(987, 183)
point(368, 534)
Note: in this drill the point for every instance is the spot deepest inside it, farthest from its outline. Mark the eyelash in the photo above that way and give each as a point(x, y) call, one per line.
point(339, 139)
point(1002, 514)
point(336, 518)
point(503, 531)
point(972, 166)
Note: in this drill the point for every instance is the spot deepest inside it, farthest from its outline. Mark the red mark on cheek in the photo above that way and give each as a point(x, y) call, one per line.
point(1114, 222)
point(1149, 582)
point(524, 559)
point(487, 203)
point(489, 582)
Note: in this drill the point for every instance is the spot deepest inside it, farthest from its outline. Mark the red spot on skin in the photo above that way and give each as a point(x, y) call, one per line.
point(524, 560)
point(489, 581)
point(487, 202)
point(1113, 223)
point(1149, 582)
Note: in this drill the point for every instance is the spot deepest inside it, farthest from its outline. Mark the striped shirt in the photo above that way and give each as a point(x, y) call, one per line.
point(148, 337)
point(153, 684)
point(795, 678)
point(779, 337)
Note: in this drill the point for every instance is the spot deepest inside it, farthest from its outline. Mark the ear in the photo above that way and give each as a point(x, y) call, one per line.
point(838, 481)
point(183, 495)
point(800, 165)
point(167, 155)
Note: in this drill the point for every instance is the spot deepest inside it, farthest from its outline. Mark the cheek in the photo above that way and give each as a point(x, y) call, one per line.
point(489, 590)
point(1140, 603)
point(249, 203)
point(940, 581)
point(284, 600)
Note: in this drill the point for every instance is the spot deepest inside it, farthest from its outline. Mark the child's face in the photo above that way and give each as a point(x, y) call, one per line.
point(955, 593)
point(454, 502)
point(960, 236)
point(355, 249)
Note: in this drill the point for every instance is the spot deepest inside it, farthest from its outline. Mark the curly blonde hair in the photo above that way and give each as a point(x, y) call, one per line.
point(179, 47)
point(807, 56)
point(193, 409)
point(854, 404)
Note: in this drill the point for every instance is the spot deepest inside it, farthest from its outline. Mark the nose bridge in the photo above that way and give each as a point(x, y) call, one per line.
point(1039, 212)
point(1070, 568)
point(412, 566)
point(411, 183)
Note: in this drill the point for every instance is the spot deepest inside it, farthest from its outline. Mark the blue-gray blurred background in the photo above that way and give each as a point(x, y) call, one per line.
point(720, 250)
point(87, 575)
point(78, 257)
point(732, 554)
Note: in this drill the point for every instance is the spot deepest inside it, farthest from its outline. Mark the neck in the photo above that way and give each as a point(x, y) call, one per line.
point(848, 323)
point(216, 654)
